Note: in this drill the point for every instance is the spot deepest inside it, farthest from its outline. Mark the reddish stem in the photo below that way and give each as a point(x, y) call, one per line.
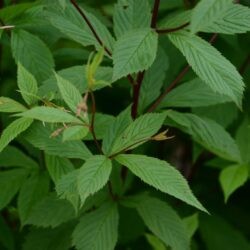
point(166, 31)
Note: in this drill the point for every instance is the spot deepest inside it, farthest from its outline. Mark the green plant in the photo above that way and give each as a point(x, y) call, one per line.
point(108, 130)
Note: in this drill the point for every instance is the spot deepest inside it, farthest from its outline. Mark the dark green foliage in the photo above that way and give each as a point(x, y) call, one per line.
point(124, 124)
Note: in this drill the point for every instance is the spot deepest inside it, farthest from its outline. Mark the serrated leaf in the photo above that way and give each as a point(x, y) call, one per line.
point(41, 239)
point(153, 80)
point(164, 222)
point(138, 132)
point(32, 191)
point(27, 84)
point(69, 92)
point(97, 230)
point(67, 188)
point(75, 133)
point(20, 159)
point(72, 25)
point(160, 175)
point(115, 129)
point(13, 130)
point(32, 53)
point(50, 212)
point(233, 177)
point(220, 17)
point(207, 62)
point(57, 166)
point(127, 17)
point(10, 183)
point(8, 105)
point(194, 93)
point(93, 175)
point(207, 132)
point(49, 114)
point(134, 51)
point(40, 137)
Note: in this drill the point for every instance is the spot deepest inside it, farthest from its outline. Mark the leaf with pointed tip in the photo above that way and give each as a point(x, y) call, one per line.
point(49, 114)
point(13, 130)
point(164, 222)
point(160, 175)
point(93, 175)
point(138, 132)
point(97, 230)
point(222, 16)
point(69, 92)
point(27, 84)
point(10, 106)
point(134, 51)
point(208, 63)
point(207, 132)
point(233, 177)
point(32, 53)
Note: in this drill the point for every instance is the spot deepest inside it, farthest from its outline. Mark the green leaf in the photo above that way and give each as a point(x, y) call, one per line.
point(97, 230)
point(57, 166)
point(160, 175)
point(75, 133)
point(20, 159)
point(50, 238)
point(67, 188)
point(32, 191)
point(115, 129)
point(243, 140)
point(27, 84)
point(10, 106)
point(40, 137)
point(69, 92)
point(164, 222)
point(10, 182)
point(13, 130)
point(220, 17)
point(138, 56)
point(155, 242)
point(72, 25)
point(207, 62)
point(218, 234)
point(194, 93)
point(138, 132)
point(206, 132)
point(191, 223)
point(49, 114)
point(153, 80)
point(32, 53)
point(50, 212)
point(233, 177)
point(93, 175)
point(127, 17)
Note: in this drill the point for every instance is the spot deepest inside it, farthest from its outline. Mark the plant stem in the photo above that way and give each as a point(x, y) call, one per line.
point(136, 94)
point(92, 125)
point(155, 14)
point(176, 81)
point(166, 31)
